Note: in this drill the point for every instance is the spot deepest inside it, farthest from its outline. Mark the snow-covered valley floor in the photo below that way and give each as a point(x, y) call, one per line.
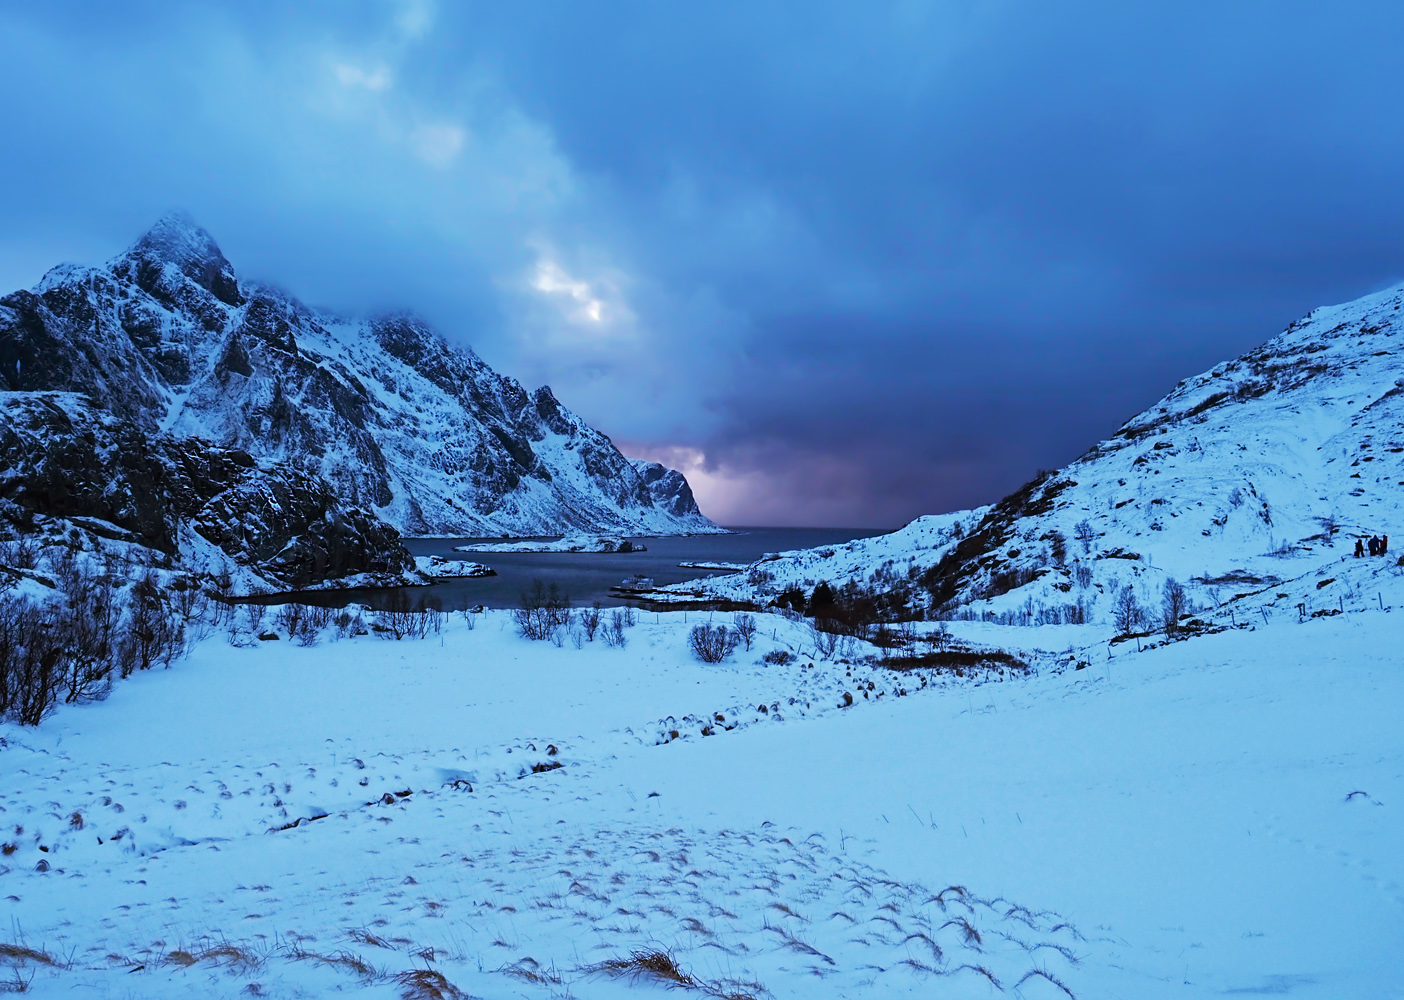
point(1218, 816)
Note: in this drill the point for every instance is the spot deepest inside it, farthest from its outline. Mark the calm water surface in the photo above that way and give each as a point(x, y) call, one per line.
point(587, 576)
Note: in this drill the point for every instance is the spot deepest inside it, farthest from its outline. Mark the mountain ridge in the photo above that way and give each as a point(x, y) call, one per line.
point(1261, 470)
point(383, 408)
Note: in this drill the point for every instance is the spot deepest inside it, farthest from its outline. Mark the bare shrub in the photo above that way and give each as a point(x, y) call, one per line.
point(826, 639)
point(21, 552)
point(544, 612)
point(253, 614)
point(779, 657)
point(590, 621)
point(1083, 574)
point(619, 620)
point(289, 619)
point(191, 605)
point(154, 633)
point(348, 625)
point(745, 627)
point(224, 607)
point(400, 621)
point(711, 643)
point(30, 668)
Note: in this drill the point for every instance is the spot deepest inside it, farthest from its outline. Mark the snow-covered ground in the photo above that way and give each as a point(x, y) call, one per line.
point(439, 568)
point(1213, 816)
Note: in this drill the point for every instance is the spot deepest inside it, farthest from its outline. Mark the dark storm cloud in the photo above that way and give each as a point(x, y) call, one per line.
point(845, 263)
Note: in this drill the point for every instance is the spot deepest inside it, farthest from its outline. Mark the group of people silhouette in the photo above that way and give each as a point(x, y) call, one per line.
point(1377, 545)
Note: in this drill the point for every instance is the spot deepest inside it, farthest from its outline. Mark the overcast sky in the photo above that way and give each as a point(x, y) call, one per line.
point(842, 263)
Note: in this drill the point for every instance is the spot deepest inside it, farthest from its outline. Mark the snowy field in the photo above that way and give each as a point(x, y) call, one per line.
point(1217, 816)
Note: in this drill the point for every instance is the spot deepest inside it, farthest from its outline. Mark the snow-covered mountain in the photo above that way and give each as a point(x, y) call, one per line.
point(398, 421)
point(72, 471)
point(1262, 470)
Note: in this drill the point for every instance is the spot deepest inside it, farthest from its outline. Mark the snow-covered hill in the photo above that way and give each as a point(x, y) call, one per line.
point(397, 420)
point(1264, 469)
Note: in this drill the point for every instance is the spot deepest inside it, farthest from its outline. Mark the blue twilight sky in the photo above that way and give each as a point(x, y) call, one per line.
point(843, 263)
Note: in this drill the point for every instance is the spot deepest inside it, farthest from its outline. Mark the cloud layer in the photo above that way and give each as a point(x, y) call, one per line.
point(843, 263)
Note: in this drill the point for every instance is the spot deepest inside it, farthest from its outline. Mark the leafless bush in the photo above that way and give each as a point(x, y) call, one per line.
point(30, 671)
point(154, 633)
point(191, 604)
point(348, 625)
point(544, 612)
point(1083, 573)
point(712, 643)
point(779, 657)
point(590, 622)
point(69, 645)
point(400, 621)
point(21, 552)
point(620, 619)
point(303, 622)
point(470, 617)
point(826, 641)
point(745, 627)
point(289, 619)
point(253, 614)
point(223, 607)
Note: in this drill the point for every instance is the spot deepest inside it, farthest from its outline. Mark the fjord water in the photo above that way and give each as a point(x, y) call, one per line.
point(587, 577)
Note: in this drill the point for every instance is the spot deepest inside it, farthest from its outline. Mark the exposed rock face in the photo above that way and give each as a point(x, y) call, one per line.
point(398, 421)
point(668, 487)
point(69, 465)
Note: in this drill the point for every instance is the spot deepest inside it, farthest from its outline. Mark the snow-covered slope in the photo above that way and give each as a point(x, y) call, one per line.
point(1212, 817)
point(1262, 469)
point(399, 421)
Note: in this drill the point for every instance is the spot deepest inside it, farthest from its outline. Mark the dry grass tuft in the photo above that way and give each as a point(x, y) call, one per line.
point(982, 971)
point(967, 930)
point(366, 937)
point(235, 956)
point(426, 984)
point(22, 953)
point(341, 960)
point(655, 965)
point(1043, 974)
point(660, 967)
point(935, 948)
point(16, 983)
point(529, 970)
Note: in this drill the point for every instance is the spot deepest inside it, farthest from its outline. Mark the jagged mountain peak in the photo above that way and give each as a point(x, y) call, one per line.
point(385, 409)
point(179, 241)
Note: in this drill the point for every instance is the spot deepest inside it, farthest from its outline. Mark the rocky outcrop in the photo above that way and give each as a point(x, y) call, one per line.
point(398, 421)
point(668, 487)
point(71, 467)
